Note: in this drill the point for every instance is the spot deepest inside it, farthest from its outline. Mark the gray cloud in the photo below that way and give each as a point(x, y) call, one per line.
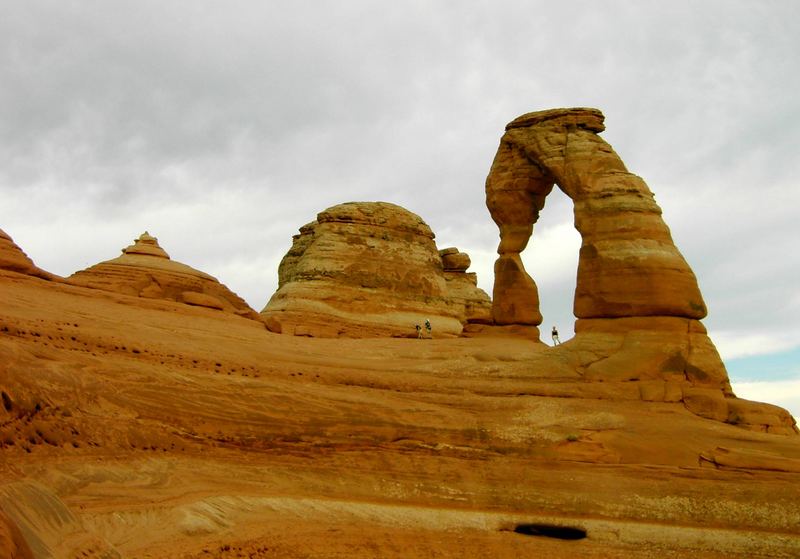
point(223, 129)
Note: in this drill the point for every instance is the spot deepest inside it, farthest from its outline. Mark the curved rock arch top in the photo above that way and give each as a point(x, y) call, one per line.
point(628, 264)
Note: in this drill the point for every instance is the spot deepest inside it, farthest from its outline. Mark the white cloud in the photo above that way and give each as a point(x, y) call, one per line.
point(733, 344)
point(552, 255)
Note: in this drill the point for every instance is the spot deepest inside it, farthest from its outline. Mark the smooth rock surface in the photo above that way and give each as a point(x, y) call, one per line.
point(200, 434)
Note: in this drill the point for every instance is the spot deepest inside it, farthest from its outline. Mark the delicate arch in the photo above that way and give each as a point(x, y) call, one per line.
point(628, 264)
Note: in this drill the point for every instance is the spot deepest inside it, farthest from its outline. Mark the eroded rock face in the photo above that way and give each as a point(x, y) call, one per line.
point(145, 270)
point(637, 301)
point(628, 264)
point(366, 269)
point(12, 258)
point(462, 287)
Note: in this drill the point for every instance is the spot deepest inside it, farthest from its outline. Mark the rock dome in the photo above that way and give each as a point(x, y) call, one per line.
point(366, 269)
point(144, 269)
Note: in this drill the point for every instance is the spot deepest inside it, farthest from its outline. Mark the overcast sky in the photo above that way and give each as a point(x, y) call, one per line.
point(221, 128)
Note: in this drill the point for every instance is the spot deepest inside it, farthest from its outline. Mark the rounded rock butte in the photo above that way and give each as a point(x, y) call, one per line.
point(370, 269)
point(144, 269)
point(637, 300)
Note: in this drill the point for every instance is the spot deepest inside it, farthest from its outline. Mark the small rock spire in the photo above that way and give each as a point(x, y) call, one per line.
point(146, 245)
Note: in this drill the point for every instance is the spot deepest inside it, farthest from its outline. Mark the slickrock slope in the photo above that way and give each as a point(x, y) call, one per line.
point(199, 433)
point(363, 269)
point(145, 270)
point(637, 301)
point(12, 258)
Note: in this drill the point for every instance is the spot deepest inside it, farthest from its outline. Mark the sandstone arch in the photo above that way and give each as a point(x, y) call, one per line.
point(637, 301)
point(628, 264)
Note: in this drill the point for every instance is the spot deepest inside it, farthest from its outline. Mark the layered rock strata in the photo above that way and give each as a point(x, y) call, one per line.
point(637, 300)
point(144, 269)
point(132, 428)
point(365, 269)
point(462, 287)
point(12, 258)
point(628, 263)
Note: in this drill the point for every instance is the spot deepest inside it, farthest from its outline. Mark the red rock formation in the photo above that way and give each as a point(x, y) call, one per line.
point(133, 428)
point(12, 258)
point(628, 264)
point(363, 269)
point(636, 298)
point(462, 287)
point(145, 270)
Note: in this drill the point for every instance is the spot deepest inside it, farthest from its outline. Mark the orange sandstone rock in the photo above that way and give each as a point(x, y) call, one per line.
point(145, 270)
point(516, 299)
point(462, 287)
point(628, 264)
point(637, 301)
point(453, 260)
point(367, 269)
point(12, 543)
point(198, 434)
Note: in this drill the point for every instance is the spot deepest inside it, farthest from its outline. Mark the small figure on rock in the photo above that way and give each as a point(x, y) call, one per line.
point(554, 334)
point(428, 327)
point(419, 330)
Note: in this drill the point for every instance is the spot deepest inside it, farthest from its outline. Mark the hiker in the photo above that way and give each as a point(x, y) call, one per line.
point(428, 327)
point(554, 334)
point(419, 331)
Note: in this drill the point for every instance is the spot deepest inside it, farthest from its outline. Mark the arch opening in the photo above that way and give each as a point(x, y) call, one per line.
point(552, 259)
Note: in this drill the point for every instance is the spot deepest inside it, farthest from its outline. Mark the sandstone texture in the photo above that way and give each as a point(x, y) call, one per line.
point(637, 301)
point(462, 288)
point(145, 270)
point(628, 264)
point(143, 414)
point(203, 435)
point(13, 259)
point(367, 269)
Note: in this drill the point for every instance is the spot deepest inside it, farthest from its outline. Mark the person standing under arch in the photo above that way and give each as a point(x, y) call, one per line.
point(554, 335)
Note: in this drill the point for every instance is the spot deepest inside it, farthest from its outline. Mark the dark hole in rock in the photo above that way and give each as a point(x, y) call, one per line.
point(7, 403)
point(550, 531)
